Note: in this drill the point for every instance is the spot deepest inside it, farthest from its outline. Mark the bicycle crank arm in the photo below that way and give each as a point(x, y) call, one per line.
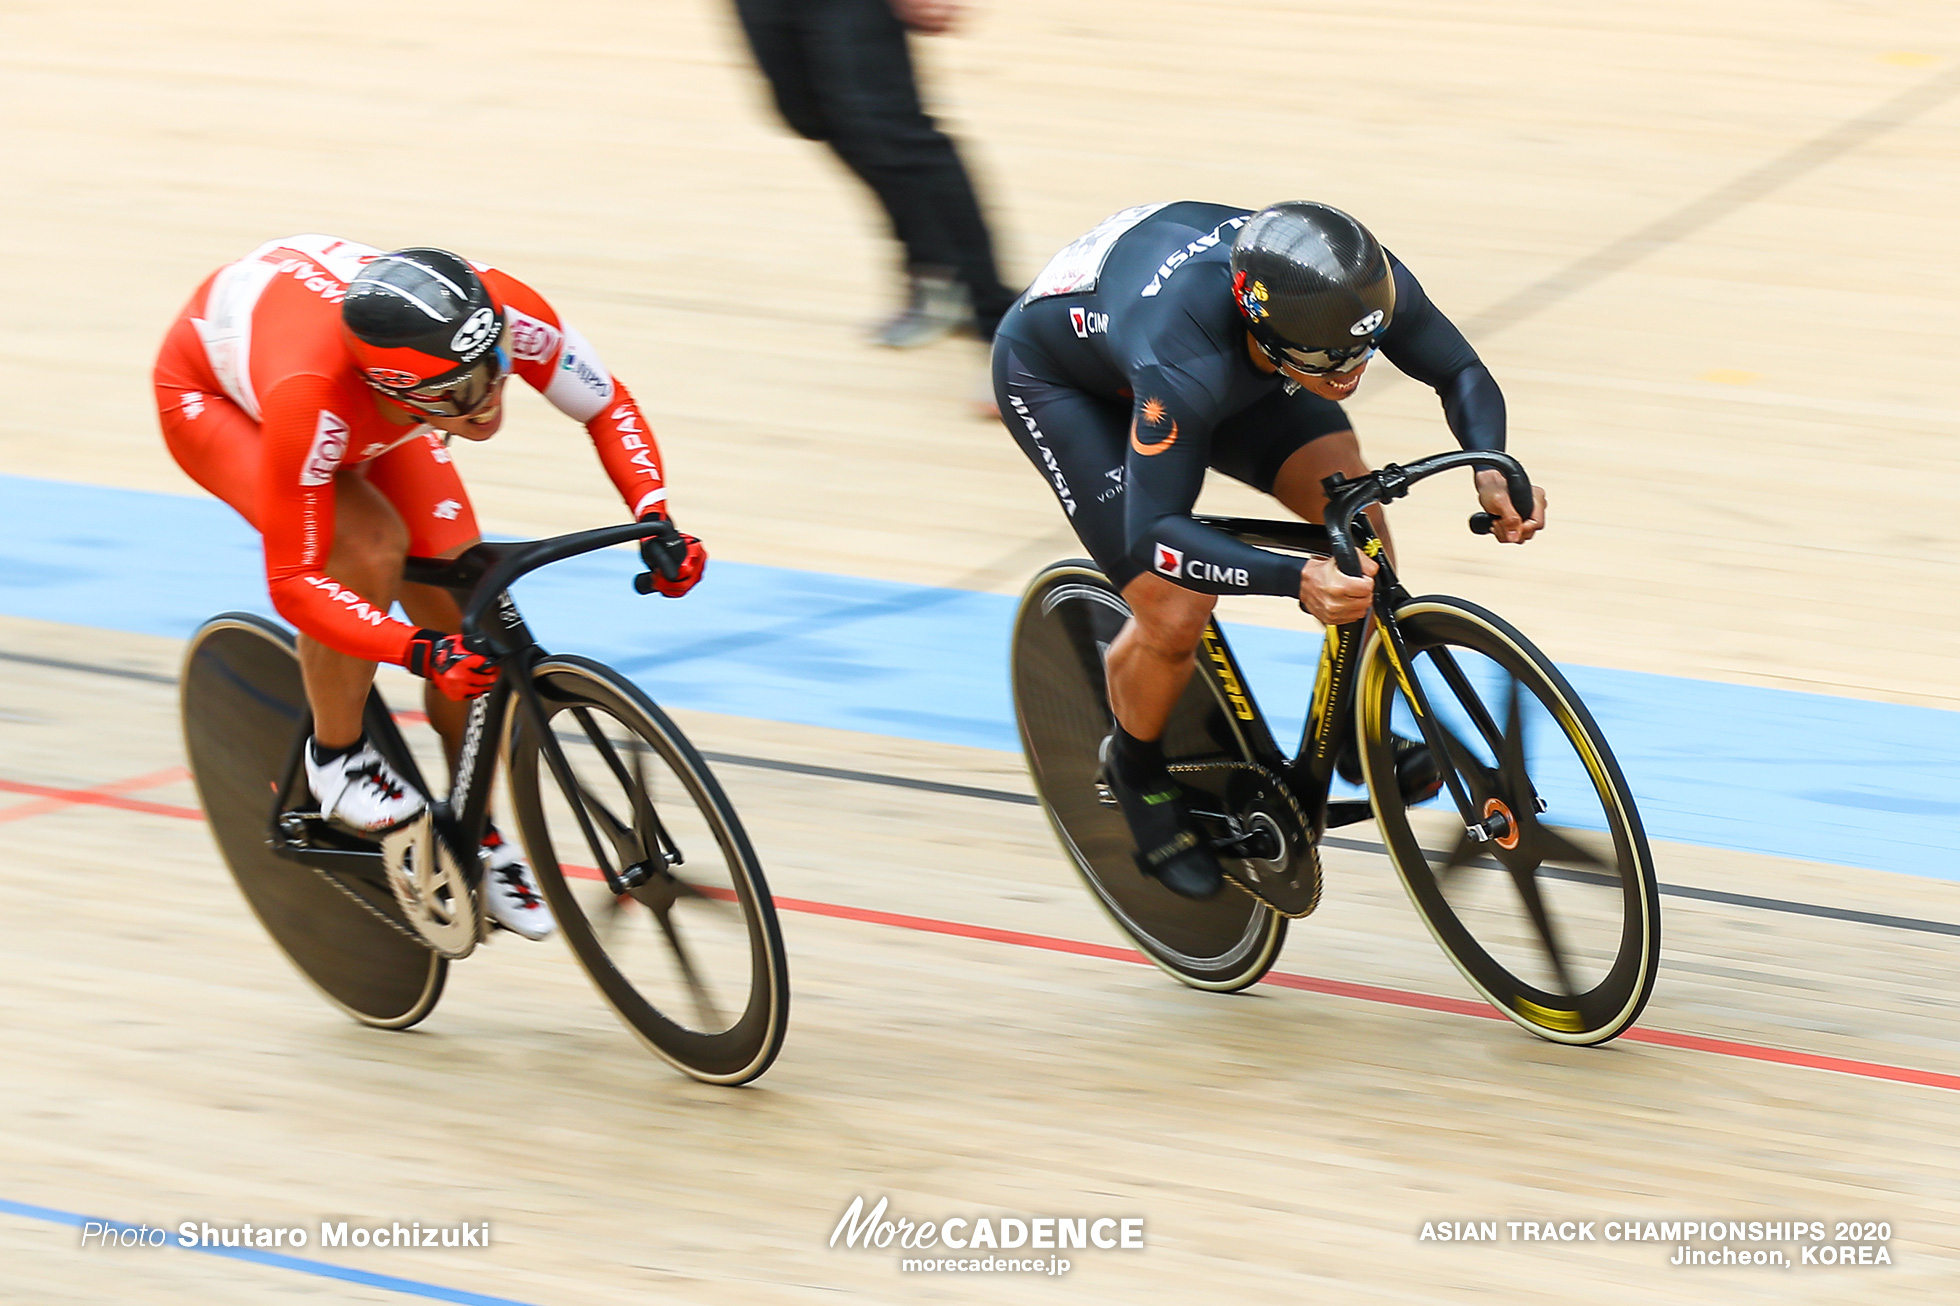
point(1253, 846)
point(1348, 813)
point(1259, 843)
point(309, 837)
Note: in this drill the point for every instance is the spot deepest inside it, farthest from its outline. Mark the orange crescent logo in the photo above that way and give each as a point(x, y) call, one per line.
point(1153, 413)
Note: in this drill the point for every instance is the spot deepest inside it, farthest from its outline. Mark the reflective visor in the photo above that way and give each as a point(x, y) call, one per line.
point(1324, 362)
point(459, 396)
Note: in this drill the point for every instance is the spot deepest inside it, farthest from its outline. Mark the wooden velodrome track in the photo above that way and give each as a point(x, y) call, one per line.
point(1707, 250)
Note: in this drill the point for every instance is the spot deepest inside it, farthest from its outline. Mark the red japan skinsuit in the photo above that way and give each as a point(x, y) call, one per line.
point(261, 403)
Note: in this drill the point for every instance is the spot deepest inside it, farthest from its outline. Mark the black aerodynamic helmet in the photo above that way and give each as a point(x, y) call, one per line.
point(1314, 286)
point(425, 330)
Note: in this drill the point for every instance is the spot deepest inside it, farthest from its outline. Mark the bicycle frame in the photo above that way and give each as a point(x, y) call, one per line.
point(480, 577)
point(1329, 725)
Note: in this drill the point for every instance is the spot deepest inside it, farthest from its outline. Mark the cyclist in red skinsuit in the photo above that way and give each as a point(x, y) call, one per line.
point(334, 446)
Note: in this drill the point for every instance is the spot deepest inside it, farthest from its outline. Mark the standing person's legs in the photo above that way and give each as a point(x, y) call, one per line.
point(861, 67)
point(776, 34)
point(783, 34)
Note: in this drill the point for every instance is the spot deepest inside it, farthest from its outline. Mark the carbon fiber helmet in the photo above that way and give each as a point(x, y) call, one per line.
point(1313, 285)
point(425, 331)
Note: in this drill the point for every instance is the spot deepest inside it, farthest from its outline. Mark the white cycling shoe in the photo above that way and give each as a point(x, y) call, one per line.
point(361, 791)
point(510, 891)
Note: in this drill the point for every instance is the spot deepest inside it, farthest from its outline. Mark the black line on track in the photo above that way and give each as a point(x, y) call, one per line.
point(1029, 800)
point(1718, 895)
point(1739, 192)
point(875, 778)
point(61, 664)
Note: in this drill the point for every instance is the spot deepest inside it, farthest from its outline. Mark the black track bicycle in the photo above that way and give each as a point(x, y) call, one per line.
point(639, 853)
point(1529, 865)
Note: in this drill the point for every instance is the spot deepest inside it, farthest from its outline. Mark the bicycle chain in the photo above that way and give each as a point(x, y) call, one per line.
point(1285, 791)
point(372, 910)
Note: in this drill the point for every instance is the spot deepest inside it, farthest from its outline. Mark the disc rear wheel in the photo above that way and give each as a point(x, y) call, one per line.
point(1067, 621)
point(243, 709)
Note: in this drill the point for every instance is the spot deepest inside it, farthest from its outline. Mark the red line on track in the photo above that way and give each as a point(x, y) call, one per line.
point(103, 795)
point(1345, 989)
point(1781, 1056)
point(108, 795)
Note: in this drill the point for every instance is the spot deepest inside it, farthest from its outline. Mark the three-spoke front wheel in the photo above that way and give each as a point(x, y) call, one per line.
point(1553, 915)
point(647, 868)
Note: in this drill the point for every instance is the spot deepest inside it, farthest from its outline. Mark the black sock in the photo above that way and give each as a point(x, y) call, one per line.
point(323, 755)
point(1138, 762)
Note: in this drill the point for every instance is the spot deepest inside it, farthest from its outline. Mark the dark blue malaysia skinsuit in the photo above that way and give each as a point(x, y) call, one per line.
point(1128, 384)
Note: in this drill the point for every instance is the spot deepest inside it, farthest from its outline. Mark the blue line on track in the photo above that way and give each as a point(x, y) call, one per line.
point(298, 1264)
point(1798, 775)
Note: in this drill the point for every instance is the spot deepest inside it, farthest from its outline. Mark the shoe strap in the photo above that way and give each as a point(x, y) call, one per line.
point(1183, 842)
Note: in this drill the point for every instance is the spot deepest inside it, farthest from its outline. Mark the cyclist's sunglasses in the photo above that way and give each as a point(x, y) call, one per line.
point(460, 396)
point(1323, 362)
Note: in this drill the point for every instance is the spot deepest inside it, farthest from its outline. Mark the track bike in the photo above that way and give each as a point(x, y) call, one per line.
point(1529, 865)
point(642, 859)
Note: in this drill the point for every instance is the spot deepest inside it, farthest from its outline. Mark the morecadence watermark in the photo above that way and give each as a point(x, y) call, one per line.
point(877, 1228)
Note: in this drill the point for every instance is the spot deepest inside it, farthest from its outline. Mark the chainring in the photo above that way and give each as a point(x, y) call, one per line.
point(1256, 797)
point(437, 897)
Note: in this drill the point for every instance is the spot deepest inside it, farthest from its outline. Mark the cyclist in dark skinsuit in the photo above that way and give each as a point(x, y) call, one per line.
point(1179, 337)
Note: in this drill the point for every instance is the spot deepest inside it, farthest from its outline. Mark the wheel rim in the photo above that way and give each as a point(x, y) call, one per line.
point(1067, 620)
point(689, 959)
point(241, 703)
point(1555, 917)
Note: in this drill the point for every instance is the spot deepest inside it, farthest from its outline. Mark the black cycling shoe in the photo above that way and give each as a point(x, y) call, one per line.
point(1172, 851)
point(1416, 773)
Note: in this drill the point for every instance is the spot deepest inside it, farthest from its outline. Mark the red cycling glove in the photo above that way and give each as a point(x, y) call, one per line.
point(456, 671)
point(674, 561)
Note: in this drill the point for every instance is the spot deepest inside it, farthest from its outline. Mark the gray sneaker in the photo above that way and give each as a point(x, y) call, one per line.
point(937, 307)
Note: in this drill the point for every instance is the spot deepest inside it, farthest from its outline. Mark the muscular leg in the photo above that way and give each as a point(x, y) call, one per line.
point(419, 480)
point(1298, 483)
point(369, 543)
point(1298, 487)
point(1152, 657)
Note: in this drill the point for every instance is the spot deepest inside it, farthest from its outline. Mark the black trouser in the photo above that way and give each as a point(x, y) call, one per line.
point(842, 74)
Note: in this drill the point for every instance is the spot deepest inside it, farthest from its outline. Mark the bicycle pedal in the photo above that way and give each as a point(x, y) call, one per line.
point(307, 831)
point(296, 826)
